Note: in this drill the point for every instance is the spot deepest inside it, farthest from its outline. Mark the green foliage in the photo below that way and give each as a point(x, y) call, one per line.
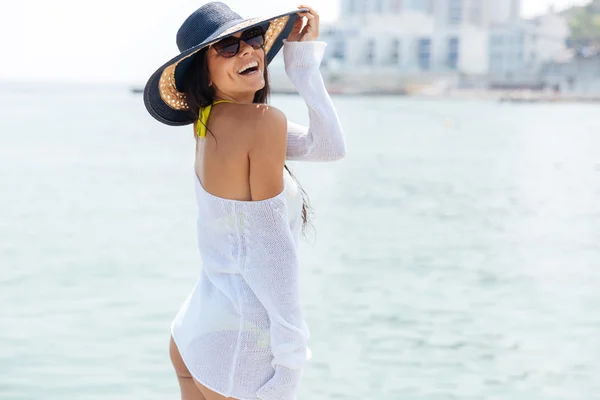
point(584, 21)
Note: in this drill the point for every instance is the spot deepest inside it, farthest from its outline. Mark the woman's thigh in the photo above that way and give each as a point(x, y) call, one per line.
point(191, 389)
point(187, 384)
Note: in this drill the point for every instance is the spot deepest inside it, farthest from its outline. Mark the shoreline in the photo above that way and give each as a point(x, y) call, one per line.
point(487, 95)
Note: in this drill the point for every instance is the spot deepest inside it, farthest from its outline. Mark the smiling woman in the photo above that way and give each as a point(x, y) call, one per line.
point(241, 333)
point(200, 89)
point(237, 76)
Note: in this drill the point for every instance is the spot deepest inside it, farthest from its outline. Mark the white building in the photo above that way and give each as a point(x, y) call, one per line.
point(577, 76)
point(519, 49)
point(505, 11)
point(422, 39)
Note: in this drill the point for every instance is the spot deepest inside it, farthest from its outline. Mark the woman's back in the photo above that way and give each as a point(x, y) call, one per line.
point(243, 159)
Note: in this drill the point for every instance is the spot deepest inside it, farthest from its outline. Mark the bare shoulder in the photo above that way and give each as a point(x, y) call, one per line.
point(267, 135)
point(263, 123)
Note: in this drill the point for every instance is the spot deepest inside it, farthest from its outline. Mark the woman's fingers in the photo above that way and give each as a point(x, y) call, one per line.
point(308, 15)
point(313, 20)
point(298, 28)
point(310, 31)
point(310, 10)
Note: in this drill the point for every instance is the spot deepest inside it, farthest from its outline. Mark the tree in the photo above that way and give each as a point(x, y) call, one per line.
point(584, 22)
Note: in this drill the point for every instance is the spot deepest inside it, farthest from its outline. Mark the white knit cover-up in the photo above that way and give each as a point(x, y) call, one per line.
point(241, 331)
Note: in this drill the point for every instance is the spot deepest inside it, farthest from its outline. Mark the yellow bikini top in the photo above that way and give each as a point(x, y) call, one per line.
point(203, 117)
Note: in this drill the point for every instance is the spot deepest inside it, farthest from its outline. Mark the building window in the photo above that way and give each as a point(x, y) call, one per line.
point(395, 6)
point(350, 7)
point(475, 12)
point(454, 12)
point(453, 45)
point(496, 61)
point(496, 40)
point(370, 56)
point(395, 51)
point(339, 50)
point(417, 5)
point(424, 53)
point(358, 7)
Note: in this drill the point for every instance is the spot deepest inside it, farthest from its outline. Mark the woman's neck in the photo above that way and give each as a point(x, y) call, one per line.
point(248, 99)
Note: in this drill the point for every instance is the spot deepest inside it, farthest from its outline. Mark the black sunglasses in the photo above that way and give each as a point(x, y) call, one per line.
point(230, 46)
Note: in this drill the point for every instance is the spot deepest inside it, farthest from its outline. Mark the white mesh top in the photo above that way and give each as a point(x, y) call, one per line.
point(241, 331)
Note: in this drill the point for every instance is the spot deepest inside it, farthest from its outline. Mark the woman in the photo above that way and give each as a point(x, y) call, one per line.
point(241, 332)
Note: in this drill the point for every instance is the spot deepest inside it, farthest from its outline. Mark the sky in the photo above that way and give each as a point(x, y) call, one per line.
point(123, 41)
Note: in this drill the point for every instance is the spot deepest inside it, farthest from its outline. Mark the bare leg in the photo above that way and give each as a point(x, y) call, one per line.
point(209, 394)
point(189, 390)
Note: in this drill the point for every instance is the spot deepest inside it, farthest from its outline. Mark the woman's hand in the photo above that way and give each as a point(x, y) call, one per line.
point(311, 29)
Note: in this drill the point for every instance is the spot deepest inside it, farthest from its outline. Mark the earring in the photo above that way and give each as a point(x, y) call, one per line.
point(209, 84)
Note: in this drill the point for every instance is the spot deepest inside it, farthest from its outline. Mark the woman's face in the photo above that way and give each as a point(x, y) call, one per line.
point(227, 74)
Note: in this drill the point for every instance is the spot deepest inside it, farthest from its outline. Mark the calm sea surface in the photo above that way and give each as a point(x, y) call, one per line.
point(455, 251)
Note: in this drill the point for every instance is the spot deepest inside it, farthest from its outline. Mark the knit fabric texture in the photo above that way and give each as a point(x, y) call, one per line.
point(241, 331)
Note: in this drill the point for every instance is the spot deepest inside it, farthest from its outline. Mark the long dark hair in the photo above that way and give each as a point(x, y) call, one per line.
point(199, 94)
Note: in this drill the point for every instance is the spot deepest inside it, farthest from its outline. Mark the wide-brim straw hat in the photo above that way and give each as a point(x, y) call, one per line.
point(163, 96)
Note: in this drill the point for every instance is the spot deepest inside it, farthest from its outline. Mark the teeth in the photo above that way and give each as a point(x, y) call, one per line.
point(249, 65)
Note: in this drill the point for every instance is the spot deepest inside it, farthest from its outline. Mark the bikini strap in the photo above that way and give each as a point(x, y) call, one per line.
point(203, 117)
